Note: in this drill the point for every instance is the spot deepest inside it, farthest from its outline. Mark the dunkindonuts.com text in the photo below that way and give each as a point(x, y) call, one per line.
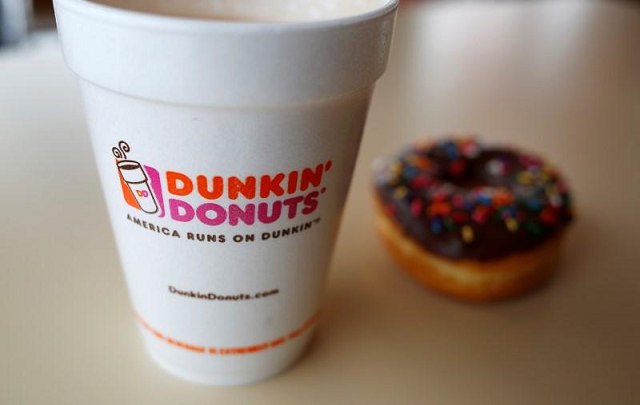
point(222, 297)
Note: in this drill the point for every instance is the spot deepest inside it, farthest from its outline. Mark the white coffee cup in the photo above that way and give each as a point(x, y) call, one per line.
point(225, 151)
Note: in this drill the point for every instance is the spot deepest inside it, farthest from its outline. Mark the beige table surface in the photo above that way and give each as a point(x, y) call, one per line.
point(560, 78)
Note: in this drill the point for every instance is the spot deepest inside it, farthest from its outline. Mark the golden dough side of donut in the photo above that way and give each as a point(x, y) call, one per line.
point(468, 279)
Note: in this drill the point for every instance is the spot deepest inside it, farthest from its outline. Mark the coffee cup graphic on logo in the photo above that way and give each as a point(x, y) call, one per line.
point(138, 183)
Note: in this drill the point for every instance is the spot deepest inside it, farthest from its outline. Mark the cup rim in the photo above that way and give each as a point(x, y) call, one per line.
point(111, 14)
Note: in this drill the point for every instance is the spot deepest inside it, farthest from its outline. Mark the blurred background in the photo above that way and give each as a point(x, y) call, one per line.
point(21, 19)
point(560, 78)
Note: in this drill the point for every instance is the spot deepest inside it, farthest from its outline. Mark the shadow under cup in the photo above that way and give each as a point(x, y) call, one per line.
point(235, 132)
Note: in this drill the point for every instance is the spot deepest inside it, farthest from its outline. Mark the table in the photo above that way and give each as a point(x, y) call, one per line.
point(560, 78)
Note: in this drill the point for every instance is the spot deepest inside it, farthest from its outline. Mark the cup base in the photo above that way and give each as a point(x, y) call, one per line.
point(286, 359)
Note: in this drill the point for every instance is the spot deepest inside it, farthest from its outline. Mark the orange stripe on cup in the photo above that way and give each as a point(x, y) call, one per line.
point(231, 351)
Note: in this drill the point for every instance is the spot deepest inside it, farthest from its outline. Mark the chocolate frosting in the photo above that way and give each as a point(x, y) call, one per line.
point(463, 200)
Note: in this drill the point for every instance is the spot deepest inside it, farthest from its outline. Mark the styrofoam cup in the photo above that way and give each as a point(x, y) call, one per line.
point(225, 151)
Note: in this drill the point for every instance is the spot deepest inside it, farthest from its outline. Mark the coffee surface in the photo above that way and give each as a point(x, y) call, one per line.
point(251, 10)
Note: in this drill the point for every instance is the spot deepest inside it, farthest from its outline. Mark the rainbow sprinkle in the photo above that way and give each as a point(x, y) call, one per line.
point(467, 234)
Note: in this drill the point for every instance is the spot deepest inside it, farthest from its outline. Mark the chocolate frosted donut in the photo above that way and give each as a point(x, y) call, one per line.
point(465, 202)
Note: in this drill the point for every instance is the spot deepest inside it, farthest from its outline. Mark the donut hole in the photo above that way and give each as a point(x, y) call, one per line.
point(489, 169)
point(467, 181)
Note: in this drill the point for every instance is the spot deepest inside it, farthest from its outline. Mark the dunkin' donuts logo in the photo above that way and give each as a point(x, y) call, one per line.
point(187, 197)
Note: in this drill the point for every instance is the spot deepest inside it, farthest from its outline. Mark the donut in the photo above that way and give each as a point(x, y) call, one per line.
point(476, 221)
